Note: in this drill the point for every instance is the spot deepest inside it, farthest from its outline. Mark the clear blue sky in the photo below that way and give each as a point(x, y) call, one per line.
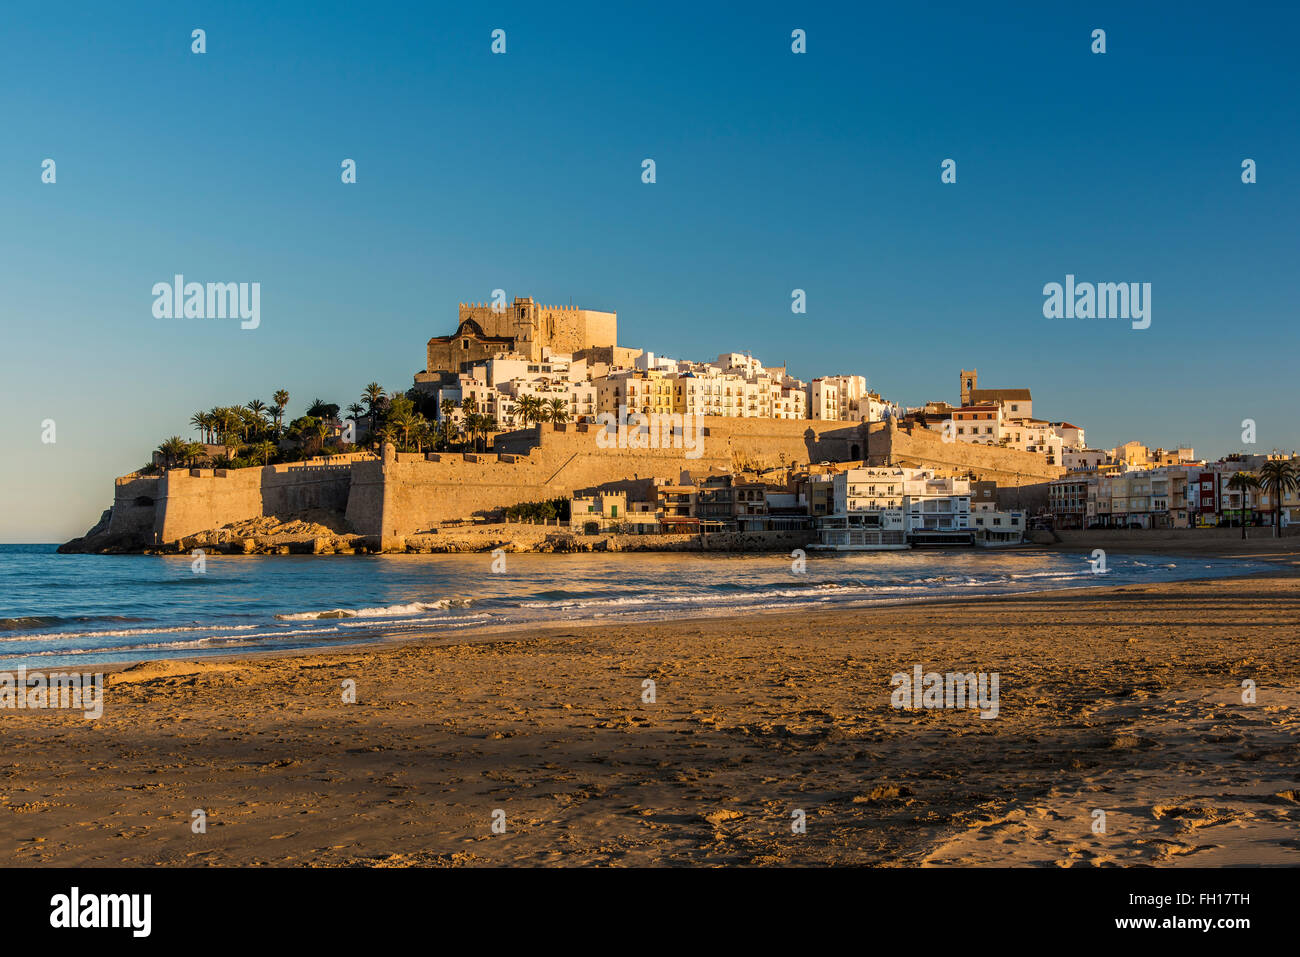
point(522, 171)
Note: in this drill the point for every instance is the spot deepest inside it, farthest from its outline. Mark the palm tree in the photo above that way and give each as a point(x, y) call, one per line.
point(529, 408)
point(423, 433)
point(215, 424)
point(1243, 482)
point(449, 407)
point(488, 423)
point(281, 399)
point(320, 432)
point(193, 453)
point(250, 422)
point(173, 450)
point(226, 423)
point(200, 421)
point(372, 394)
point(320, 409)
point(403, 421)
point(472, 424)
point(559, 411)
point(257, 407)
point(1277, 477)
point(263, 449)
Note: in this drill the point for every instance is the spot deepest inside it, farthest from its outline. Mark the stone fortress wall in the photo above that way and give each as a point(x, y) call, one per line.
point(397, 495)
point(925, 448)
point(194, 500)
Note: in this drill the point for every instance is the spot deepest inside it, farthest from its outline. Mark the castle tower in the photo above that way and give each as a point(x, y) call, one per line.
point(969, 383)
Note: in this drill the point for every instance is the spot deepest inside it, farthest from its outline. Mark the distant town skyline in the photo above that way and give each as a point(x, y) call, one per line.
point(523, 171)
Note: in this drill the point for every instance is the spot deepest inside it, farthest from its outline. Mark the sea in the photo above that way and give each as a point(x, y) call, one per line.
point(67, 610)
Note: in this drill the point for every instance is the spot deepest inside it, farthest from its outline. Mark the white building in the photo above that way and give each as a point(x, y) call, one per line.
point(995, 528)
point(1083, 460)
point(889, 506)
point(978, 424)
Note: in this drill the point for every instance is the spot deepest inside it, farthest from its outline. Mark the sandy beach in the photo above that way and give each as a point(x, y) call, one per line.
point(1124, 700)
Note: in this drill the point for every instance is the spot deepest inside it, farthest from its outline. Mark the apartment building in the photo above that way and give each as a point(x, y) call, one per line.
point(890, 506)
point(1119, 497)
point(749, 501)
point(819, 495)
point(715, 503)
point(938, 509)
point(677, 507)
point(1067, 500)
point(1083, 459)
point(824, 400)
point(649, 393)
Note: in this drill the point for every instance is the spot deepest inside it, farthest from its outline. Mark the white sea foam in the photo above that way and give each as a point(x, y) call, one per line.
point(125, 632)
point(386, 611)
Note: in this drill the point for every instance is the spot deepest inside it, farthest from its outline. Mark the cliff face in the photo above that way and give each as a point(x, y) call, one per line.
point(94, 540)
point(103, 540)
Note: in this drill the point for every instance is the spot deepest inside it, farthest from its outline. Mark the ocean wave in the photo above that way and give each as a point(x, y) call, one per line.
point(208, 641)
point(123, 632)
point(386, 611)
point(820, 591)
point(23, 622)
point(29, 621)
point(408, 623)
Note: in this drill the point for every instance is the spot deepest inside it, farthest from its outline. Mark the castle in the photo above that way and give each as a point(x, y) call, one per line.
point(391, 497)
point(525, 328)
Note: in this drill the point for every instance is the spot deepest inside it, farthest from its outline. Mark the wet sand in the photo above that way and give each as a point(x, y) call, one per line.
point(1125, 700)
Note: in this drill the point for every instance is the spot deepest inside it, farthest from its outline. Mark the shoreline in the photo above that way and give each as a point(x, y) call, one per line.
point(1118, 697)
point(529, 630)
point(1282, 564)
